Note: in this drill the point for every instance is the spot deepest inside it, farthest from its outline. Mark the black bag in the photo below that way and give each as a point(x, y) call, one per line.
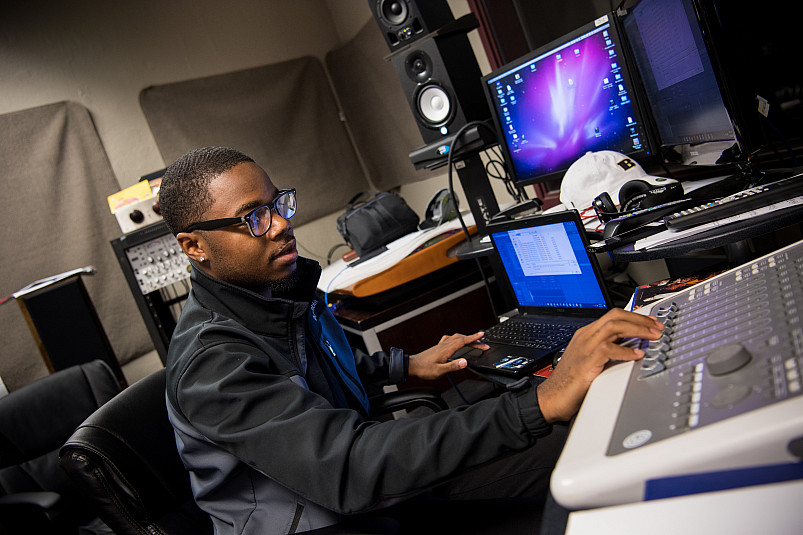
point(369, 225)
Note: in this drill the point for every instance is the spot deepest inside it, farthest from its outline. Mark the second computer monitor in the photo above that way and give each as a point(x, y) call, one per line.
point(677, 72)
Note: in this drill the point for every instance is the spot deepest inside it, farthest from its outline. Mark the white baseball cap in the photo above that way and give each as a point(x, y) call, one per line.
point(597, 172)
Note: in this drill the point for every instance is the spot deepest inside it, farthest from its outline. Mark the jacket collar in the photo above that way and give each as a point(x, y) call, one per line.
point(268, 316)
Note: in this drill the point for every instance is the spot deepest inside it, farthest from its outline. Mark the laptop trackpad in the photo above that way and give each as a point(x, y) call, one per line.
point(504, 360)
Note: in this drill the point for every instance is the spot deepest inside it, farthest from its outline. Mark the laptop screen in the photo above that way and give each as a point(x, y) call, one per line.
point(548, 266)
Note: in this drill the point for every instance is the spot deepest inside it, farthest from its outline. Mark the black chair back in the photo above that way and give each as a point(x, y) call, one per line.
point(35, 420)
point(124, 458)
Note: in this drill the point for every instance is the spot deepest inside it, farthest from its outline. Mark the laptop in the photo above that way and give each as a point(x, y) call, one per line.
point(557, 285)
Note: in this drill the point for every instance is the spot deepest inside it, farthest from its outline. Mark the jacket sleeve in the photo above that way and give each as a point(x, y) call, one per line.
point(381, 368)
point(332, 456)
point(375, 370)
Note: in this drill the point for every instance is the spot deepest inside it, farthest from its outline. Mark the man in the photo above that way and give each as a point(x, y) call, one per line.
point(269, 402)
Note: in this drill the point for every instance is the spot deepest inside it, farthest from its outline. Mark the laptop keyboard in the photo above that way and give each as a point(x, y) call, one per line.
point(527, 333)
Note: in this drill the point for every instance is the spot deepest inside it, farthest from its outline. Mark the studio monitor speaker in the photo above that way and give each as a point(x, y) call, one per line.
point(404, 21)
point(66, 327)
point(441, 80)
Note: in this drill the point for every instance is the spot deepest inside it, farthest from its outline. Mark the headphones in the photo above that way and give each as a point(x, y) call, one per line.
point(440, 209)
point(635, 195)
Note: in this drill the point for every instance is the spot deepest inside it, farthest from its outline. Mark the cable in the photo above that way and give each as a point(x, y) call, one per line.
point(308, 252)
point(328, 286)
point(333, 249)
point(663, 164)
point(495, 158)
point(782, 139)
point(449, 163)
point(491, 169)
point(457, 390)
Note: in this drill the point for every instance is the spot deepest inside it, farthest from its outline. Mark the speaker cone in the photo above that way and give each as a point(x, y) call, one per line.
point(434, 105)
point(393, 11)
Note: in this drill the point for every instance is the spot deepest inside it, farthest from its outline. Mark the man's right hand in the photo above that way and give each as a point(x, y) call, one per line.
point(591, 348)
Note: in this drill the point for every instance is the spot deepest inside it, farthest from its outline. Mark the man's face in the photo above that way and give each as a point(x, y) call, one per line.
point(232, 253)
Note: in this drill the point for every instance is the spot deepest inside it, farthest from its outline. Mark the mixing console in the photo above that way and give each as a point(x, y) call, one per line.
point(721, 389)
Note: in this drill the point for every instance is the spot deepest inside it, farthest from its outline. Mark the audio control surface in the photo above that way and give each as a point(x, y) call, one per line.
point(721, 390)
point(730, 345)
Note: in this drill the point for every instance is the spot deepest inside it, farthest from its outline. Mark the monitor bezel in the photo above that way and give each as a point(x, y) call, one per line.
point(712, 136)
point(747, 130)
point(645, 156)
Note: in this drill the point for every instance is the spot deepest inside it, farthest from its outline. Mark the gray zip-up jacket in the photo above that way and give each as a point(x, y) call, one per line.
point(267, 454)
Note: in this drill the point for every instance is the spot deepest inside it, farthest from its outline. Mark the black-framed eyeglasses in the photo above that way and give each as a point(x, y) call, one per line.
point(259, 219)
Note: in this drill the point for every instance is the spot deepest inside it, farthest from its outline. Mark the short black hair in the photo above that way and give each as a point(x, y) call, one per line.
point(184, 192)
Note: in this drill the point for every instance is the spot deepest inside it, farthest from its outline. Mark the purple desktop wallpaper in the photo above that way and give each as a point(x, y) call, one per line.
point(566, 104)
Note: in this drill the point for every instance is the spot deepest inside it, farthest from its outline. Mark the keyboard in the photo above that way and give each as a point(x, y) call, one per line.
point(738, 203)
point(527, 333)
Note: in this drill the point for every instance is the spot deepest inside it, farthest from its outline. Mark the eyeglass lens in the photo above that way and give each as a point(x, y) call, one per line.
point(284, 205)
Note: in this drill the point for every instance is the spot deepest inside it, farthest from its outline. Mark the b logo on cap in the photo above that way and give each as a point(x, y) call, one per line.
point(626, 163)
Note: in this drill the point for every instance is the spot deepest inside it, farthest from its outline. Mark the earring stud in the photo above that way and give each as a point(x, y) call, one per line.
point(203, 259)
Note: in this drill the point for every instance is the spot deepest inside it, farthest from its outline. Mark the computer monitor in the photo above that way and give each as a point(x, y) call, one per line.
point(558, 102)
point(677, 73)
point(756, 49)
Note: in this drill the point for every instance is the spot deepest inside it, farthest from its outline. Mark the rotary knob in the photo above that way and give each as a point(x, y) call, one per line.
point(136, 216)
point(730, 396)
point(727, 359)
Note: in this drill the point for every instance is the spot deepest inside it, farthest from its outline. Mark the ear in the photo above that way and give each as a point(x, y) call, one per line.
point(193, 246)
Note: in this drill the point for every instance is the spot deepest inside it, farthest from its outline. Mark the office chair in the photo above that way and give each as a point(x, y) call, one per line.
point(125, 460)
point(35, 420)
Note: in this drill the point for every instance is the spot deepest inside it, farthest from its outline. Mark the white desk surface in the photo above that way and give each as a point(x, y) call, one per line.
point(775, 509)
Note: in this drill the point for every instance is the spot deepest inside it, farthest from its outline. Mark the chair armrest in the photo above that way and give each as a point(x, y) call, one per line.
point(42, 508)
point(407, 399)
point(43, 499)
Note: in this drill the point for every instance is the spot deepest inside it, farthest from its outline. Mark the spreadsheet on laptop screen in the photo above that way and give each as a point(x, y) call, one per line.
point(548, 266)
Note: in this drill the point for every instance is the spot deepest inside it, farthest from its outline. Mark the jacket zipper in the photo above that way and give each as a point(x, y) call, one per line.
point(331, 349)
point(296, 518)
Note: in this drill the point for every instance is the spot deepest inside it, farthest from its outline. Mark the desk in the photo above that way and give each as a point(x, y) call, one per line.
point(414, 316)
point(771, 508)
point(720, 237)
